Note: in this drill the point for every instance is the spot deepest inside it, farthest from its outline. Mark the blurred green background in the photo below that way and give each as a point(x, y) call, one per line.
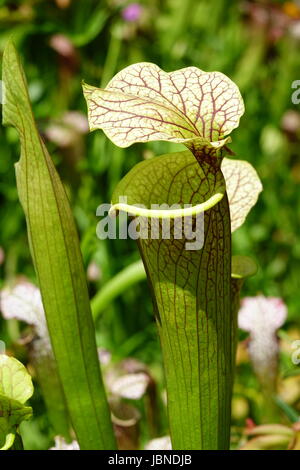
point(255, 43)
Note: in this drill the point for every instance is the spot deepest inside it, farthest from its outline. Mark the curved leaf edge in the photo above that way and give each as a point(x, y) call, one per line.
point(166, 214)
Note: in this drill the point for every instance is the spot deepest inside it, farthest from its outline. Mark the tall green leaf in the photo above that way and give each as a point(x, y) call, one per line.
point(191, 292)
point(195, 301)
point(57, 258)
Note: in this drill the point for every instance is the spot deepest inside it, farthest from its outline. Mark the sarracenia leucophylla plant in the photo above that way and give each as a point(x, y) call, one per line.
point(195, 300)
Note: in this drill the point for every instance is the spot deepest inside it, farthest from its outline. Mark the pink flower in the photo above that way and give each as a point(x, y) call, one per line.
point(132, 12)
point(262, 314)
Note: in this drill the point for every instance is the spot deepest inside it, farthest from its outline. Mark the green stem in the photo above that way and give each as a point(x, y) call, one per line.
point(112, 57)
point(116, 286)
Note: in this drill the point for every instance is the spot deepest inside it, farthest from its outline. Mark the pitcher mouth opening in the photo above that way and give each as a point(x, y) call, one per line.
point(187, 211)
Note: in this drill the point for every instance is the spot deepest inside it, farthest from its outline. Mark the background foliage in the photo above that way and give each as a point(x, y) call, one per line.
point(64, 41)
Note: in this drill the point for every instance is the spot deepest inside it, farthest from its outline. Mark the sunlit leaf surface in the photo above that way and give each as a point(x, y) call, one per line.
point(15, 382)
point(143, 103)
point(15, 389)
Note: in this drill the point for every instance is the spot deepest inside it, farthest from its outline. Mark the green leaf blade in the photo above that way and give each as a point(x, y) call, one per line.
point(55, 250)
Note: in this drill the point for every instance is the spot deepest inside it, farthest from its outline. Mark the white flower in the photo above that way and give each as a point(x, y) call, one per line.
point(160, 443)
point(61, 444)
point(132, 386)
point(261, 317)
point(23, 301)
